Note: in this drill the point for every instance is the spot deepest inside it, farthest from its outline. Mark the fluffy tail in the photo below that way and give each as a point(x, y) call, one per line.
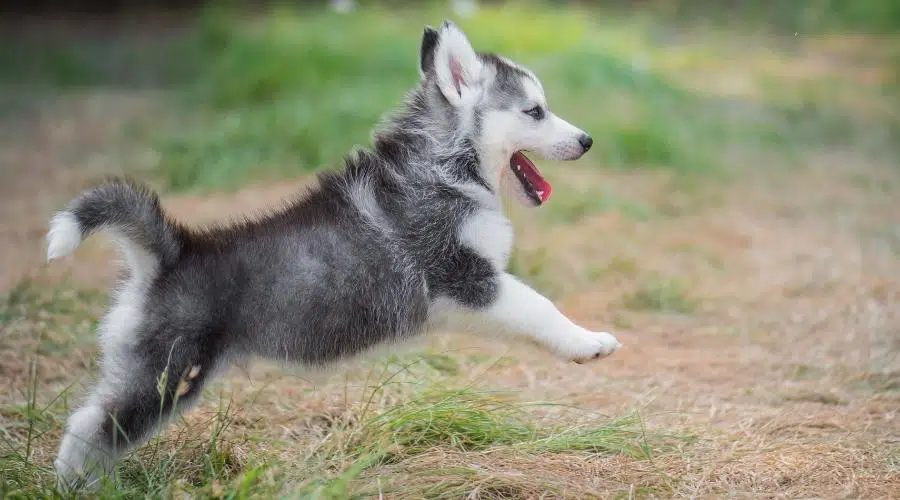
point(133, 215)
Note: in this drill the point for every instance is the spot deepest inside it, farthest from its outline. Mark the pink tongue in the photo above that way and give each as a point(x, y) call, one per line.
point(540, 186)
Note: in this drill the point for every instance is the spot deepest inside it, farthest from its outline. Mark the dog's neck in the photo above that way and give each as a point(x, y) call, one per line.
point(426, 136)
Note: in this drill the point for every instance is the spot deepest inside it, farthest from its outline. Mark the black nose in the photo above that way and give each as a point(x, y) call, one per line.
point(586, 142)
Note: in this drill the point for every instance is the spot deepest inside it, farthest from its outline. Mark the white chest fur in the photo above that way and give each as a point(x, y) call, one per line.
point(490, 234)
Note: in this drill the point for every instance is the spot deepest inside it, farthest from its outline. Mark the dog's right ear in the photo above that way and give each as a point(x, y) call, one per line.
point(426, 52)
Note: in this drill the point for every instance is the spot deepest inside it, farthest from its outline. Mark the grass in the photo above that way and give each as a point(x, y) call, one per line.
point(202, 456)
point(65, 318)
point(293, 92)
point(876, 16)
point(285, 93)
point(281, 104)
point(535, 268)
point(570, 206)
point(467, 423)
point(618, 265)
point(661, 295)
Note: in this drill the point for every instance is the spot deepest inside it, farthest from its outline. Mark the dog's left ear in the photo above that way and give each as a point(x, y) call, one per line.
point(454, 62)
point(426, 52)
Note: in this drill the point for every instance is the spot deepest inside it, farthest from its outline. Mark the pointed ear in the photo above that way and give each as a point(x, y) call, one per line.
point(426, 52)
point(456, 65)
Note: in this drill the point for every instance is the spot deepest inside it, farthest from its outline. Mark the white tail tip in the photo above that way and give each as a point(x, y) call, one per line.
point(64, 235)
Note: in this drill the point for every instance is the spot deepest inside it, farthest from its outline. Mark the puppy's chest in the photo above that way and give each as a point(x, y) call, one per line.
point(490, 234)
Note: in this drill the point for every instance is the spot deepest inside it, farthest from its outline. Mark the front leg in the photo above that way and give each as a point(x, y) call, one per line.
point(517, 309)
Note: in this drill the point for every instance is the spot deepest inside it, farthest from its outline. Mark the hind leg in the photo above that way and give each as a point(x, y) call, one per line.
point(138, 392)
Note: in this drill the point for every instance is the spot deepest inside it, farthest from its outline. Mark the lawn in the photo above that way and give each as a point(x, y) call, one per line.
point(735, 225)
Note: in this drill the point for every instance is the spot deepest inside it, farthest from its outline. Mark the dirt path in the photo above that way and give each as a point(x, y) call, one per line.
point(785, 364)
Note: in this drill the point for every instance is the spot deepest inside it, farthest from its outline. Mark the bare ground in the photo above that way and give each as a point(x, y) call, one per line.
point(785, 368)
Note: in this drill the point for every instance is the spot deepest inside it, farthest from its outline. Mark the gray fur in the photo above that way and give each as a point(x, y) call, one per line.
point(363, 259)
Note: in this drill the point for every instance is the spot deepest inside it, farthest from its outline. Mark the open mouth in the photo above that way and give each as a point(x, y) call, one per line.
point(534, 186)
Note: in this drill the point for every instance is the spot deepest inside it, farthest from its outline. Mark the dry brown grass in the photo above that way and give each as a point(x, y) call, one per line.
point(786, 371)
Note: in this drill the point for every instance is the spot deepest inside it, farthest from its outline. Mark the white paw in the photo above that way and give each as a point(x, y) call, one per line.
point(590, 346)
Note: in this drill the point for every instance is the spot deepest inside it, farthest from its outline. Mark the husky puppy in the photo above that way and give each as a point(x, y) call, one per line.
point(409, 237)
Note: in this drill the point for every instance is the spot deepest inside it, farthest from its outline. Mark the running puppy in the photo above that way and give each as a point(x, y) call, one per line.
point(408, 237)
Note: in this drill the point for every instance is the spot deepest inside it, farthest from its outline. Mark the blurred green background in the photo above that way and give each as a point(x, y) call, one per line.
point(259, 91)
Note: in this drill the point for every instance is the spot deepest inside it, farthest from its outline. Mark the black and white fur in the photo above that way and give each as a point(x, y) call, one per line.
point(409, 237)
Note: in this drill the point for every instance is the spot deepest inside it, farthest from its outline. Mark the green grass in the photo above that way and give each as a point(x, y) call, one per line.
point(204, 464)
point(535, 268)
point(474, 424)
point(292, 92)
point(62, 317)
point(295, 93)
point(51, 63)
point(413, 408)
point(571, 205)
point(803, 16)
point(661, 295)
point(202, 460)
point(621, 266)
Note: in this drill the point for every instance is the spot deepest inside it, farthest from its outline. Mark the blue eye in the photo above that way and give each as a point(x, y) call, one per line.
point(536, 112)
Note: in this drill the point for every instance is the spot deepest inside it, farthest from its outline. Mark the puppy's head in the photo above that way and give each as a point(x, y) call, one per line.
point(502, 105)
